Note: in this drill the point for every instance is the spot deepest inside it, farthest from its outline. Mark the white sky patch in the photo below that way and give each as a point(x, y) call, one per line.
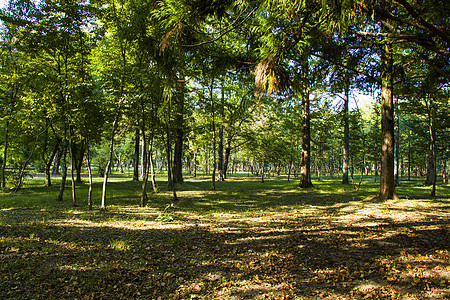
point(3, 3)
point(364, 101)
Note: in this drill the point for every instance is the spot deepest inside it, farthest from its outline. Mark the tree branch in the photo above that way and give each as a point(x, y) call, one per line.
point(227, 30)
point(424, 23)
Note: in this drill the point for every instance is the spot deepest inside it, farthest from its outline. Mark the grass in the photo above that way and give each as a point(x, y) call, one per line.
point(246, 240)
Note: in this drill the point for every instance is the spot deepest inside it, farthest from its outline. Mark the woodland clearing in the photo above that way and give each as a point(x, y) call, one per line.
point(246, 240)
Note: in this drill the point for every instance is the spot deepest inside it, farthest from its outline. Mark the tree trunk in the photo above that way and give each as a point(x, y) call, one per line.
point(226, 159)
point(78, 159)
point(152, 169)
point(305, 168)
point(409, 161)
point(136, 156)
point(346, 137)
point(179, 132)
point(213, 182)
point(48, 165)
point(387, 181)
point(5, 156)
point(149, 165)
point(72, 163)
point(88, 156)
point(220, 150)
point(64, 172)
point(195, 162)
point(396, 150)
point(144, 197)
point(56, 162)
point(108, 166)
point(431, 165)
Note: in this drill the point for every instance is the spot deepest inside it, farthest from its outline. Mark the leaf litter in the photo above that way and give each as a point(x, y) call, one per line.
point(360, 250)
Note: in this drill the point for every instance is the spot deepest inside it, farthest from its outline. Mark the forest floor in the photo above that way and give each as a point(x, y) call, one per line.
point(246, 240)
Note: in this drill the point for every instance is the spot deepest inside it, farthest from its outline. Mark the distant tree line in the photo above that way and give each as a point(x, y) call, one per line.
point(264, 87)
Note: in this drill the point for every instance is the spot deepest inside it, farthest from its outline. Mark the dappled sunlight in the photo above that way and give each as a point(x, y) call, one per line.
point(231, 243)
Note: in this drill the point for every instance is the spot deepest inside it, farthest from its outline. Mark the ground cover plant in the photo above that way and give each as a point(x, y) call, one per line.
point(246, 240)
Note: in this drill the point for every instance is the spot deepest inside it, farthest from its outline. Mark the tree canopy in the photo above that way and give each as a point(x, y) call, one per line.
point(186, 85)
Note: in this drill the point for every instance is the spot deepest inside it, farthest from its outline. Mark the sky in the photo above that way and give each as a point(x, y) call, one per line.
point(3, 3)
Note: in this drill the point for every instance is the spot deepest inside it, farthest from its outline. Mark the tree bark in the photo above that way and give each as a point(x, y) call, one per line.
point(56, 162)
point(78, 156)
point(72, 163)
point(213, 182)
point(48, 165)
point(177, 168)
point(5, 156)
point(387, 181)
point(88, 156)
point(305, 163)
point(396, 149)
point(220, 149)
point(62, 186)
point(195, 162)
point(431, 165)
point(346, 137)
point(136, 156)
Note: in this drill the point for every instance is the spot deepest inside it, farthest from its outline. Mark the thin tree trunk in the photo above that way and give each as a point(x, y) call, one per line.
point(220, 150)
point(409, 161)
point(108, 166)
point(387, 181)
point(47, 171)
point(396, 149)
point(431, 166)
point(72, 163)
point(177, 168)
point(88, 154)
point(149, 165)
point(144, 197)
point(226, 158)
point(346, 138)
point(136, 156)
point(152, 169)
point(195, 162)
point(62, 186)
point(170, 183)
point(213, 182)
point(5, 156)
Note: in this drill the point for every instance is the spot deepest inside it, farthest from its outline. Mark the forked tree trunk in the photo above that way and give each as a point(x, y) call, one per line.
point(48, 166)
point(387, 180)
